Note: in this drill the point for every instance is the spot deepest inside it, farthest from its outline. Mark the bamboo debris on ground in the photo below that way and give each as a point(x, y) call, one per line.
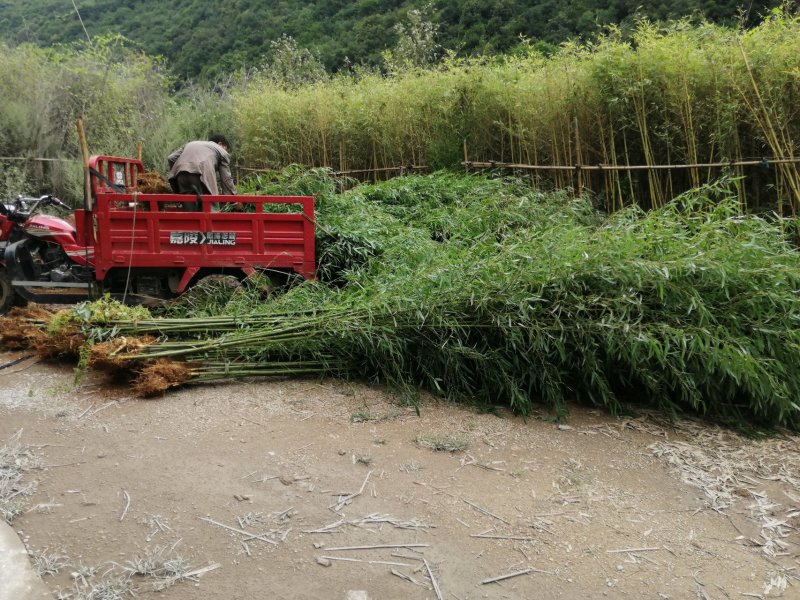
point(728, 468)
point(484, 511)
point(330, 528)
point(248, 535)
point(393, 521)
point(434, 583)
point(191, 575)
point(378, 547)
point(503, 537)
point(346, 499)
point(364, 560)
point(405, 577)
point(127, 498)
point(515, 574)
point(16, 459)
point(374, 518)
point(507, 576)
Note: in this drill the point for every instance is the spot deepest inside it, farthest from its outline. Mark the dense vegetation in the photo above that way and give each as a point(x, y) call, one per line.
point(662, 94)
point(485, 291)
point(123, 95)
point(675, 94)
point(475, 288)
point(208, 39)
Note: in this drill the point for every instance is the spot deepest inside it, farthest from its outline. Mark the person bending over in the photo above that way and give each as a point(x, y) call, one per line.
point(194, 166)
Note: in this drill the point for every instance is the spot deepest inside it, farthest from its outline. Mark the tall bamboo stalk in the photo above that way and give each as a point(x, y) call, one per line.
point(776, 137)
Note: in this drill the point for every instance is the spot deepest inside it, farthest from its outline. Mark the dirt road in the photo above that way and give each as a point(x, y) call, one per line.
point(324, 489)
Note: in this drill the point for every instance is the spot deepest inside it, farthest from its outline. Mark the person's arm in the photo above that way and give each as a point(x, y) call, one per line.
point(174, 156)
point(224, 167)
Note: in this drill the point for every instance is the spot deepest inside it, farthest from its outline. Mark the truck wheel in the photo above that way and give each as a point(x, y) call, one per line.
point(220, 287)
point(212, 292)
point(7, 294)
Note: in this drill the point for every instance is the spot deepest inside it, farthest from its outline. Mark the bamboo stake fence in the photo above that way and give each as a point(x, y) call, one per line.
point(39, 159)
point(579, 169)
point(402, 169)
point(765, 162)
point(580, 172)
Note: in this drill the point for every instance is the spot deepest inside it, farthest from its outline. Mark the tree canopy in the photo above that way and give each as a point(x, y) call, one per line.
point(205, 39)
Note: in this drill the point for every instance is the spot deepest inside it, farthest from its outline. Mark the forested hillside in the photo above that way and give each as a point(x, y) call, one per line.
point(206, 38)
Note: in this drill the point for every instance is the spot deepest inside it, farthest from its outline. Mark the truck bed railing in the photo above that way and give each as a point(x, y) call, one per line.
point(133, 230)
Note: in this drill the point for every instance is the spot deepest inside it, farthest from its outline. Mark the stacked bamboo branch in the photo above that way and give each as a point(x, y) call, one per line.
point(483, 291)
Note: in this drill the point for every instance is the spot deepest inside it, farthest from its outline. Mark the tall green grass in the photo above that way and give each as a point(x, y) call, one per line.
point(123, 96)
point(670, 94)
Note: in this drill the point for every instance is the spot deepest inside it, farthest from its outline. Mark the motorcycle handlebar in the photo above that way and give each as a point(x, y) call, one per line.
point(59, 203)
point(46, 199)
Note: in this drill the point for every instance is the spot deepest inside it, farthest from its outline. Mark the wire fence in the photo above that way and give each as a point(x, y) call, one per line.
point(37, 159)
point(761, 181)
point(601, 179)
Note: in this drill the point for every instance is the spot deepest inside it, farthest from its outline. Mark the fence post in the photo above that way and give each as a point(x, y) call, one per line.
point(87, 181)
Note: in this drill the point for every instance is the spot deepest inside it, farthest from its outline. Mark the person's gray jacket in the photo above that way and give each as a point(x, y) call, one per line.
point(204, 159)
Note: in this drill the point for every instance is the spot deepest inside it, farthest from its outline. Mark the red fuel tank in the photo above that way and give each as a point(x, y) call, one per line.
point(51, 229)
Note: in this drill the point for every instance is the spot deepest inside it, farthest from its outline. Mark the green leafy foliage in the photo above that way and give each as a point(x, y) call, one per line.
point(484, 291)
point(645, 94)
point(658, 95)
point(209, 39)
point(124, 97)
point(119, 92)
point(103, 311)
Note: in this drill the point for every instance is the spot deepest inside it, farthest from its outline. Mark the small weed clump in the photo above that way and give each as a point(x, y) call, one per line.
point(442, 443)
point(15, 460)
point(48, 563)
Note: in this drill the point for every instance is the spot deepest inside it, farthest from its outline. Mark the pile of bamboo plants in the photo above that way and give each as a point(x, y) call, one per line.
point(484, 291)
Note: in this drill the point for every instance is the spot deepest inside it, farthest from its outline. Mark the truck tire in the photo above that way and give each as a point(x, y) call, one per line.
point(7, 293)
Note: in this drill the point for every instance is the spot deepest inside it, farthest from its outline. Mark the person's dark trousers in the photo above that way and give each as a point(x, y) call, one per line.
point(189, 183)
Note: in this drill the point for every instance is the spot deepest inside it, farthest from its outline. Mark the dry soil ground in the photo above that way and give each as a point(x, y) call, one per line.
point(323, 489)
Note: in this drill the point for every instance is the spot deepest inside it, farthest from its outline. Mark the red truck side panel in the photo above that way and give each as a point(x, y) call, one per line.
point(139, 231)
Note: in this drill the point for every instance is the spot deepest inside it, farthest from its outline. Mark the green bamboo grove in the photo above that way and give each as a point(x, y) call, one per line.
point(671, 94)
point(666, 94)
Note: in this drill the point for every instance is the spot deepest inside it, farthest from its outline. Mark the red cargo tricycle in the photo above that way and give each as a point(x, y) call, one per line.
point(143, 247)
